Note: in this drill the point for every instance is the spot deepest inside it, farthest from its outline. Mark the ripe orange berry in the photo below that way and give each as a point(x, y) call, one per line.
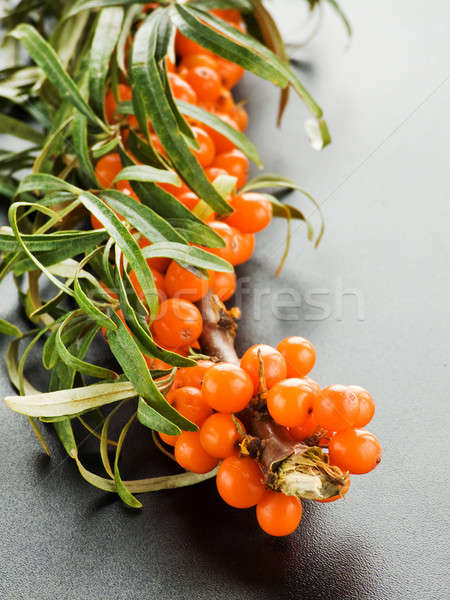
point(252, 212)
point(182, 283)
point(224, 102)
point(366, 405)
point(338, 496)
point(206, 152)
point(185, 46)
point(178, 323)
point(290, 401)
point(229, 72)
point(355, 450)
point(158, 278)
point(235, 163)
point(189, 199)
point(306, 429)
point(124, 186)
point(193, 376)
point(244, 247)
point(218, 435)
point(239, 115)
point(231, 238)
point(273, 362)
point(205, 82)
point(107, 168)
point(190, 455)
point(170, 440)
point(315, 386)
point(213, 172)
point(181, 89)
point(189, 402)
point(228, 14)
point(222, 143)
point(224, 285)
point(299, 354)
point(336, 407)
point(124, 94)
point(227, 388)
point(278, 514)
point(198, 60)
point(240, 482)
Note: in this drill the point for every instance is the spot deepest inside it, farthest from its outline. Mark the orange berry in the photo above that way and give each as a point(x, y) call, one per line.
point(205, 82)
point(198, 60)
point(240, 482)
point(231, 238)
point(178, 323)
point(219, 435)
point(252, 212)
point(158, 279)
point(124, 186)
point(213, 172)
point(354, 450)
point(182, 283)
point(227, 388)
point(107, 168)
point(273, 362)
point(245, 245)
point(336, 407)
point(124, 94)
point(224, 285)
point(235, 163)
point(239, 115)
point(189, 199)
point(290, 401)
point(228, 14)
point(300, 355)
point(366, 405)
point(170, 440)
point(181, 89)
point(185, 46)
point(189, 402)
point(229, 72)
point(206, 152)
point(190, 455)
point(278, 514)
point(193, 376)
point(222, 143)
point(224, 102)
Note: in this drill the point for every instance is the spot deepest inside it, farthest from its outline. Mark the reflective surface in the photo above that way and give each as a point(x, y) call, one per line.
point(373, 299)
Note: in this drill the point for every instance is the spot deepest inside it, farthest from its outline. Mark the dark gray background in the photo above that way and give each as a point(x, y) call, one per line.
point(382, 276)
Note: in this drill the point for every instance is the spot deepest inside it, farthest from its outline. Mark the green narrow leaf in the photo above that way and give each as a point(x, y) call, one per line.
point(122, 489)
point(105, 39)
point(44, 55)
point(146, 173)
point(65, 433)
point(76, 363)
point(135, 368)
point(7, 328)
point(190, 255)
point(81, 147)
point(144, 219)
point(237, 47)
point(19, 129)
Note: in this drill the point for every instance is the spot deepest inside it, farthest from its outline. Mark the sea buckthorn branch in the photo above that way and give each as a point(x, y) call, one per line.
point(289, 466)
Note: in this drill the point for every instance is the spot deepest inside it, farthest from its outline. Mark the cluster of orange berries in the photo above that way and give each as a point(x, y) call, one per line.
point(209, 395)
point(204, 79)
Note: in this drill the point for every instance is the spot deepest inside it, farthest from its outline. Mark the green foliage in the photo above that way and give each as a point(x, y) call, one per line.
point(56, 106)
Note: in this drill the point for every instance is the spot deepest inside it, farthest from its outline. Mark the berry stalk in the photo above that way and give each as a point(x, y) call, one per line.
point(289, 466)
